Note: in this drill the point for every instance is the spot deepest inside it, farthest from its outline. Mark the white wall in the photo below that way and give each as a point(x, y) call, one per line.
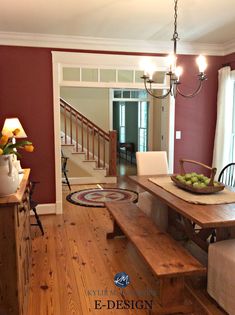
point(91, 102)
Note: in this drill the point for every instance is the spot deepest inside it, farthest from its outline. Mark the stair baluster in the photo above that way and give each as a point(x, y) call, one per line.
point(87, 145)
point(98, 149)
point(76, 123)
point(71, 125)
point(103, 152)
point(93, 143)
point(65, 123)
point(82, 135)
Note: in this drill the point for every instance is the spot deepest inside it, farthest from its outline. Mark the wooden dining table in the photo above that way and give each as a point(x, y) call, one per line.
point(198, 221)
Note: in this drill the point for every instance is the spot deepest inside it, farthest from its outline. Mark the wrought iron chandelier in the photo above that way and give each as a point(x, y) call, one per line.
point(175, 71)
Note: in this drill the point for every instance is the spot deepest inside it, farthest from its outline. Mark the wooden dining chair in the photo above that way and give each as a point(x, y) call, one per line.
point(227, 175)
point(153, 163)
point(64, 170)
point(33, 205)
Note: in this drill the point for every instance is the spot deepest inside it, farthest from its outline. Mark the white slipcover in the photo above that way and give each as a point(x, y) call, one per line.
point(221, 274)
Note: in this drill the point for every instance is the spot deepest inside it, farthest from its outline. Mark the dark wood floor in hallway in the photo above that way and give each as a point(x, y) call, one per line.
point(74, 265)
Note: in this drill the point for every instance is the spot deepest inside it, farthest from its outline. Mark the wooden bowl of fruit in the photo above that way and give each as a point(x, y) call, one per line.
point(197, 183)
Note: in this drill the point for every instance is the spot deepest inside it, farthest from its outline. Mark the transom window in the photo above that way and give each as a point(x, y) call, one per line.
point(130, 94)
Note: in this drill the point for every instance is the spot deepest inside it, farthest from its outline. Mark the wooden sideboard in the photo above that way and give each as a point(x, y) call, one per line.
point(15, 250)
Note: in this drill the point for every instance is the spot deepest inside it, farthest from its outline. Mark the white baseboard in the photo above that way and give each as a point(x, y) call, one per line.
point(46, 208)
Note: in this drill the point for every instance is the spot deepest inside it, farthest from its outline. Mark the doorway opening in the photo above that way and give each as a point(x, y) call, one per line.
point(104, 71)
point(130, 109)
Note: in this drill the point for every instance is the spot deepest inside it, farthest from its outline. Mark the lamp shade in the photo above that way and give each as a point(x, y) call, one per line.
point(12, 124)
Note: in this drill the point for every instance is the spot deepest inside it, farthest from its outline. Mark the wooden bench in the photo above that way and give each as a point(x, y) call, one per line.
point(169, 261)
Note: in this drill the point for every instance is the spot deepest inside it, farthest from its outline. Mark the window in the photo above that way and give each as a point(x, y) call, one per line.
point(225, 125)
point(122, 129)
point(130, 94)
point(143, 126)
point(232, 152)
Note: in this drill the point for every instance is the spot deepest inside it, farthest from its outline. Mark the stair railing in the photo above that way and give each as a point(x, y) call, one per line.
point(89, 137)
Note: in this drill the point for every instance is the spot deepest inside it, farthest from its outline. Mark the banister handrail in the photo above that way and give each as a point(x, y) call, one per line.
point(87, 121)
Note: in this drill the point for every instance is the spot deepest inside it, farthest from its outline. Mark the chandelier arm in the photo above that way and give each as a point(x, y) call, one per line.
point(157, 96)
point(191, 94)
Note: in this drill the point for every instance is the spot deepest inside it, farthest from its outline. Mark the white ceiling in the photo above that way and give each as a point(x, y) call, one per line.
point(199, 21)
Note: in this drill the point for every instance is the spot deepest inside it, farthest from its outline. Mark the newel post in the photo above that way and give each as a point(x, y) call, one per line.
point(113, 153)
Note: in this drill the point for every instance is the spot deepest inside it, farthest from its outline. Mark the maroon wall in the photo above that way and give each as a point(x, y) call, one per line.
point(230, 59)
point(26, 92)
point(196, 117)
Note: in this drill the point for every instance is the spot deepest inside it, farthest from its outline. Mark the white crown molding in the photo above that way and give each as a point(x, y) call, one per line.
point(107, 44)
point(229, 47)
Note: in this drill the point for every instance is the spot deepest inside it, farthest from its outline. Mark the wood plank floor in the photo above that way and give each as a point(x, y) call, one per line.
point(74, 265)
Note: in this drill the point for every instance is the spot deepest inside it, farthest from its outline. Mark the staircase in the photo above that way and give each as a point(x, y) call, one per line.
point(91, 150)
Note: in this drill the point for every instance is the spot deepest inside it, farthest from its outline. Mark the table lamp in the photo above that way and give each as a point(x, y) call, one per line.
point(9, 126)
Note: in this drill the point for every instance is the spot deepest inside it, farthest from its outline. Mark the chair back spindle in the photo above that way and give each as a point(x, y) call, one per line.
point(227, 175)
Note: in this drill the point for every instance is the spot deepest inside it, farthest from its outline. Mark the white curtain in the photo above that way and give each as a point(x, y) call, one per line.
point(223, 133)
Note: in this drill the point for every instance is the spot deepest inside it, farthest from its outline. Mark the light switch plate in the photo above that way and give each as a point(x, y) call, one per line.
point(178, 135)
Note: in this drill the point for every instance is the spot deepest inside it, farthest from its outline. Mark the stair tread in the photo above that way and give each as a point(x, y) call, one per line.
point(90, 161)
point(80, 152)
point(67, 144)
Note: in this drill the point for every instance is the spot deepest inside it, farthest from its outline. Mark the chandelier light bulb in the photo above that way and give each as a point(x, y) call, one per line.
point(178, 72)
point(149, 70)
point(171, 60)
point(201, 62)
point(150, 73)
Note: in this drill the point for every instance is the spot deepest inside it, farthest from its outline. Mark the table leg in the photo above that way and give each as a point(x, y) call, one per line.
point(222, 234)
point(200, 238)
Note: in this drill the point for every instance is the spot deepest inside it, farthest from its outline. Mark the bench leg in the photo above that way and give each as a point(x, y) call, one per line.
point(116, 231)
point(171, 297)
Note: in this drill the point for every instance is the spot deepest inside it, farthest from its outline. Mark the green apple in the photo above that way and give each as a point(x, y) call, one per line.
point(188, 182)
point(202, 185)
point(196, 185)
point(187, 176)
point(194, 179)
point(182, 180)
point(200, 176)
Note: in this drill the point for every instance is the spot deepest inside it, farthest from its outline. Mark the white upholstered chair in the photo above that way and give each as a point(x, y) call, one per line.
point(153, 163)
